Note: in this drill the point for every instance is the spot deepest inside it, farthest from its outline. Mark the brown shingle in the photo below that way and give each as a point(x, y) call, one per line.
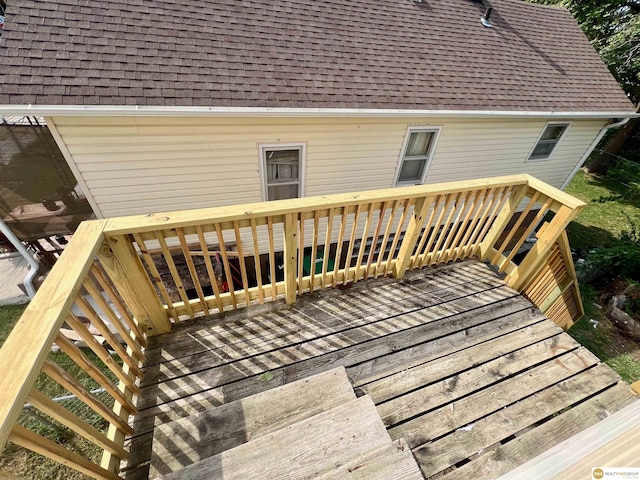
point(289, 53)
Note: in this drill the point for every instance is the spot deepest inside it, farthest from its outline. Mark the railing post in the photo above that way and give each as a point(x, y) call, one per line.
point(531, 263)
point(290, 256)
point(122, 263)
point(502, 220)
point(411, 236)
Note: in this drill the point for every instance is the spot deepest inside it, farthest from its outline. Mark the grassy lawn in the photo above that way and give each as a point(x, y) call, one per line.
point(601, 222)
point(600, 225)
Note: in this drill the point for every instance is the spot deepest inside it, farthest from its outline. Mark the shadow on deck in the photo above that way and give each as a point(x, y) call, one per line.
point(462, 367)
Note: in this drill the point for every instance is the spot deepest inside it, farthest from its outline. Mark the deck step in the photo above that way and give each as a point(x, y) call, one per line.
point(391, 462)
point(188, 440)
point(306, 449)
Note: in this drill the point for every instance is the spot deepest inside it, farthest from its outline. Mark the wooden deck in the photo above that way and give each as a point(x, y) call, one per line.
point(458, 365)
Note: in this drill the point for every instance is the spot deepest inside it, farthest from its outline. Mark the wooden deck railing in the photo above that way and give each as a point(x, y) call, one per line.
point(131, 277)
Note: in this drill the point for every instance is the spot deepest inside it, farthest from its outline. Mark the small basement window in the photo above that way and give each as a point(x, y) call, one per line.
point(282, 166)
point(416, 156)
point(548, 141)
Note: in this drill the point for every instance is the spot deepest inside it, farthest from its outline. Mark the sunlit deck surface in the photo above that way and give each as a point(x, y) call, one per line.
point(459, 365)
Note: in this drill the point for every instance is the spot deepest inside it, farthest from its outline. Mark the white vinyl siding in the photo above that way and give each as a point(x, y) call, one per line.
point(138, 165)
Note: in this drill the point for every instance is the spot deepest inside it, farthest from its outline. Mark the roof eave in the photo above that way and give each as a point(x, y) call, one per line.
point(138, 110)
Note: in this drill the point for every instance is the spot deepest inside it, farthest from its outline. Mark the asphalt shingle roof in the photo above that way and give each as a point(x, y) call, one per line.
point(396, 54)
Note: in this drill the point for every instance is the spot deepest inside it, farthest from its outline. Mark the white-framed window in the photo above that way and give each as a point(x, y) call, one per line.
point(548, 140)
point(416, 155)
point(282, 171)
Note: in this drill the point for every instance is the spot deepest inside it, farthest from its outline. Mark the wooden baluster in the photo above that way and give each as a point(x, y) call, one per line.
point(34, 442)
point(514, 229)
point(411, 236)
point(272, 259)
point(290, 254)
point(447, 230)
point(428, 225)
point(436, 235)
point(343, 226)
point(532, 225)
point(479, 217)
point(175, 275)
point(112, 318)
point(374, 240)
point(256, 260)
point(363, 244)
point(529, 266)
point(124, 267)
point(227, 267)
point(385, 239)
point(314, 249)
point(96, 271)
point(565, 252)
point(74, 423)
point(155, 274)
point(452, 247)
point(396, 237)
point(327, 247)
point(498, 204)
point(243, 264)
point(192, 270)
point(97, 322)
point(76, 388)
point(352, 239)
point(501, 220)
point(78, 327)
point(210, 270)
point(93, 371)
point(300, 274)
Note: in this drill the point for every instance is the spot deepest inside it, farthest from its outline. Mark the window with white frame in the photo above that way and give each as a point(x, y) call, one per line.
point(416, 156)
point(548, 141)
point(282, 166)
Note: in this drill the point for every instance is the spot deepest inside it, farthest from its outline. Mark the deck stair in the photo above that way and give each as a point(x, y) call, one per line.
point(311, 428)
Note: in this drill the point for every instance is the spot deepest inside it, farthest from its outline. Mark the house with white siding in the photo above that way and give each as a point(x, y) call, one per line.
point(177, 105)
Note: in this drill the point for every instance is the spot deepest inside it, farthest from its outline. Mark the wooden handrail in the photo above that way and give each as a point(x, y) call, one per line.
point(26, 348)
point(191, 218)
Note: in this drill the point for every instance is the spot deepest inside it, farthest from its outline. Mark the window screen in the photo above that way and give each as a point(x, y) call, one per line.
point(282, 173)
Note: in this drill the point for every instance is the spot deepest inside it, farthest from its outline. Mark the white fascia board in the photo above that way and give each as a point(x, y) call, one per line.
point(135, 110)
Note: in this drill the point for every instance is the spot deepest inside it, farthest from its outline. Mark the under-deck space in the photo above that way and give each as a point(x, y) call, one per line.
point(459, 365)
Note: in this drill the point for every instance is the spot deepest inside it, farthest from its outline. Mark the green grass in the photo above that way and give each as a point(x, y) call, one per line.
point(601, 222)
point(9, 315)
point(605, 342)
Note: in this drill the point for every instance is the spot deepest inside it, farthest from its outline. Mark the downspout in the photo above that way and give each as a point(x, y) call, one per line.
point(593, 145)
point(33, 264)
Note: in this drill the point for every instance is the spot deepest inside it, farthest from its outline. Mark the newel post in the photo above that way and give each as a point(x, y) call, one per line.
point(290, 256)
point(546, 239)
point(411, 236)
point(122, 263)
point(502, 220)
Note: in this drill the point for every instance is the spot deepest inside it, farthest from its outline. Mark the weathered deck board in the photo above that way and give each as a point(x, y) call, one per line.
point(455, 361)
point(523, 448)
point(482, 434)
point(190, 439)
point(303, 450)
point(391, 462)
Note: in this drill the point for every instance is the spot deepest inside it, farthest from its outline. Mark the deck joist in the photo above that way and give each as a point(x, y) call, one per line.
point(459, 365)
